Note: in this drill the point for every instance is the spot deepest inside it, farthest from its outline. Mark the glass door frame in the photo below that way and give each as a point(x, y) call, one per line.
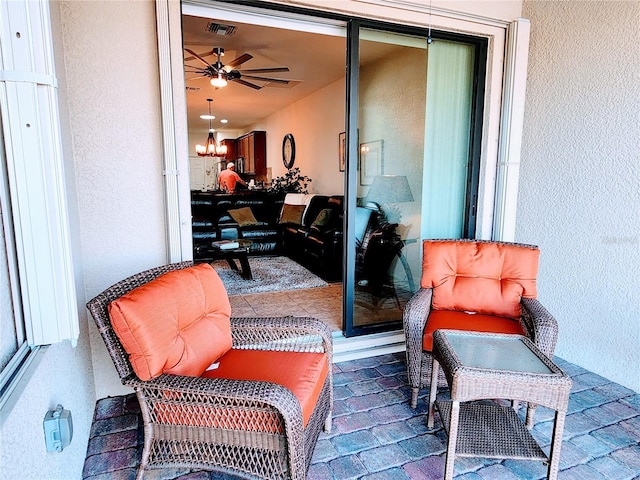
point(504, 97)
point(351, 165)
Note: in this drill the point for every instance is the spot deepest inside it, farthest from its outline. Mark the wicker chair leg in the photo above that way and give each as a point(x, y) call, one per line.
point(531, 413)
point(414, 397)
point(327, 424)
point(148, 434)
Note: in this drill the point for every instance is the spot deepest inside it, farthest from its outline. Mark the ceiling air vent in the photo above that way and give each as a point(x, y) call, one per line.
point(220, 29)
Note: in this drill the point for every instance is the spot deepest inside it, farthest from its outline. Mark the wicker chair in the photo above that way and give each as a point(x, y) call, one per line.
point(249, 428)
point(535, 321)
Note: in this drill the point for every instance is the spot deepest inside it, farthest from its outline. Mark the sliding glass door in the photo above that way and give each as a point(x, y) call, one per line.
point(412, 163)
point(413, 128)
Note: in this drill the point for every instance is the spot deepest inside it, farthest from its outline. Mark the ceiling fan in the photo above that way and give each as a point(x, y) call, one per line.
point(220, 74)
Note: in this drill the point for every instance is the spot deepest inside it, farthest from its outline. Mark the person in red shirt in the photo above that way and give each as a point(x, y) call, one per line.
point(228, 178)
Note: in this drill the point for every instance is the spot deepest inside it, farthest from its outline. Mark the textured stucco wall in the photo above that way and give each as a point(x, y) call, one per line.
point(580, 178)
point(111, 62)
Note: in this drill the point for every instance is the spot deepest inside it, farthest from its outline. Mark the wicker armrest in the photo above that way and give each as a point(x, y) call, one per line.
point(414, 319)
point(189, 391)
point(298, 334)
point(541, 324)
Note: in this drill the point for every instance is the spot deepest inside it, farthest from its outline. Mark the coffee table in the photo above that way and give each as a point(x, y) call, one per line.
point(232, 254)
point(481, 366)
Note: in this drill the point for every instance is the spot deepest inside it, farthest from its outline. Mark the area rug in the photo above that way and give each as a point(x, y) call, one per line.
point(270, 274)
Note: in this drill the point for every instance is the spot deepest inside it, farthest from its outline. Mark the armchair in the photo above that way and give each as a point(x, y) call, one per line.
point(373, 272)
point(479, 286)
point(256, 411)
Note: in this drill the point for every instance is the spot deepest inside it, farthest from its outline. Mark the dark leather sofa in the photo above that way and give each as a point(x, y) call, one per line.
point(318, 247)
point(317, 241)
point(314, 240)
point(211, 221)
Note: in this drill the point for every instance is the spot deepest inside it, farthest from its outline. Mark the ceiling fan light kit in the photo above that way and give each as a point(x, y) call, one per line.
point(219, 81)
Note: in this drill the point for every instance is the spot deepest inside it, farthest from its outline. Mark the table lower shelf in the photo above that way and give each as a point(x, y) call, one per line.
point(491, 431)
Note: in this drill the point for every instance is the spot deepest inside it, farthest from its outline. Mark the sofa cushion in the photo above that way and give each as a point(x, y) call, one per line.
point(316, 204)
point(484, 277)
point(470, 322)
point(243, 216)
point(292, 214)
point(323, 220)
point(176, 324)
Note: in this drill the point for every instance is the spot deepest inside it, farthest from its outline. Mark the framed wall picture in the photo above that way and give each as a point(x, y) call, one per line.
point(342, 148)
point(371, 161)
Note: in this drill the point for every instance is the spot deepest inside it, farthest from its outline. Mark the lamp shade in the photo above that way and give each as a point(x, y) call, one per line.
point(387, 189)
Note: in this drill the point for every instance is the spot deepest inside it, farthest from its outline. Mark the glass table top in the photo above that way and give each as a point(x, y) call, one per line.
point(495, 352)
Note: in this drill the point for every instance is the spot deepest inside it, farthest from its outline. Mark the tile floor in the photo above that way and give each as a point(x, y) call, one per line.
point(323, 303)
point(376, 435)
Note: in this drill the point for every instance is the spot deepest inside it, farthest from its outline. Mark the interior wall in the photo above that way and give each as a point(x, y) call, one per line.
point(315, 123)
point(580, 178)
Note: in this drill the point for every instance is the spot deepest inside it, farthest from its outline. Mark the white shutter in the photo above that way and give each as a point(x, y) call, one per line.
point(31, 135)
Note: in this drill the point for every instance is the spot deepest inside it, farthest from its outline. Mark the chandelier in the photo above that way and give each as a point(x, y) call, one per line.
point(210, 147)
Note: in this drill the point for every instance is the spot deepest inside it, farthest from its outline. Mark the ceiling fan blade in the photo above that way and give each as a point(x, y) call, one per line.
point(196, 56)
point(247, 84)
point(266, 70)
point(265, 79)
point(239, 61)
point(192, 69)
point(202, 55)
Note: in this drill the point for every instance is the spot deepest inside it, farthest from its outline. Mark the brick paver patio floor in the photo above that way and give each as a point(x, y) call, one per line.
point(376, 435)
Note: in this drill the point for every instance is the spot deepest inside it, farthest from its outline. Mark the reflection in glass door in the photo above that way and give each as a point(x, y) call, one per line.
point(414, 128)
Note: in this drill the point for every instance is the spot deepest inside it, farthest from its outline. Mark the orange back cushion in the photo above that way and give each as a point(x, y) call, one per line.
point(482, 277)
point(176, 324)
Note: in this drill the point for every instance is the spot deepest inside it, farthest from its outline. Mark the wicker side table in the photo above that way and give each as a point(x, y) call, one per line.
point(493, 366)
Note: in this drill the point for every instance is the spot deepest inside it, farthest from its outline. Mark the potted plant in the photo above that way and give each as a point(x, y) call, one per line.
point(290, 182)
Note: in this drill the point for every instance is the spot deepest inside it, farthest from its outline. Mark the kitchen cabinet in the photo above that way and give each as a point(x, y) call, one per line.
point(231, 153)
point(253, 148)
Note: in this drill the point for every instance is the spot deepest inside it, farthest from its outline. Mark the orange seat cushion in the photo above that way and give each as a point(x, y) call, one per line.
point(302, 373)
point(440, 319)
point(483, 277)
point(176, 324)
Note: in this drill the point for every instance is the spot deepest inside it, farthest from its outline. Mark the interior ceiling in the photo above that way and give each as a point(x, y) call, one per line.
point(314, 62)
